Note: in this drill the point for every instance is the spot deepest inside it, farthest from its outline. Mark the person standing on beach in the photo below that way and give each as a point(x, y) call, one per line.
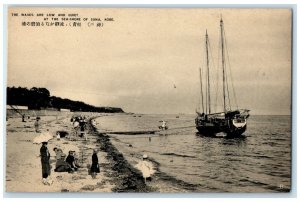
point(37, 124)
point(46, 169)
point(146, 168)
point(82, 127)
point(95, 164)
point(75, 127)
point(164, 125)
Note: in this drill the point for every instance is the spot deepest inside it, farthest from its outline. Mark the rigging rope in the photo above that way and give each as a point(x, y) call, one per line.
point(218, 68)
point(201, 93)
point(208, 70)
point(234, 95)
point(214, 68)
point(206, 84)
point(226, 80)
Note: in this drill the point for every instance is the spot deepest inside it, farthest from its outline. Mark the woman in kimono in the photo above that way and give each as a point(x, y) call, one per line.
point(46, 169)
point(95, 164)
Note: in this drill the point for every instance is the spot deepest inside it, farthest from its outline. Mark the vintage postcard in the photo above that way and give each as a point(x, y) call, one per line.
point(160, 100)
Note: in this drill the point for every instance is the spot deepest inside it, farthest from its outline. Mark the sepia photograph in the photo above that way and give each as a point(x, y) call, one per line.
point(148, 100)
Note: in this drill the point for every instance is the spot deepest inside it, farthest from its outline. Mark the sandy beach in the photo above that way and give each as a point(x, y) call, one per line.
point(23, 164)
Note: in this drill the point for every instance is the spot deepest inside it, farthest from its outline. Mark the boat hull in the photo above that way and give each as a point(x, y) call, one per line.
point(232, 123)
point(208, 130)
point(214, 130)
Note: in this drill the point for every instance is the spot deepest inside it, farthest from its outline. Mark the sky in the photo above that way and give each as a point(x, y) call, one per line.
point(135, 61)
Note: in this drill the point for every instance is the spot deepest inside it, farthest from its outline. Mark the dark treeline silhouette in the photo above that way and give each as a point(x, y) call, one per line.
point(39, 98)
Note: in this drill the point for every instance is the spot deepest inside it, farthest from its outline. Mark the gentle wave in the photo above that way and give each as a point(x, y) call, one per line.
point(190, 162)
point(179, 155)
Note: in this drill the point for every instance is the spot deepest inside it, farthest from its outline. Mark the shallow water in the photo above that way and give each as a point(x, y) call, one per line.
point(260, 162)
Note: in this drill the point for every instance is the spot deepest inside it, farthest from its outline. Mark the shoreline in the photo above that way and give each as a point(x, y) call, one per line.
point(161, 181)
point(23, 166)
point(129, 178)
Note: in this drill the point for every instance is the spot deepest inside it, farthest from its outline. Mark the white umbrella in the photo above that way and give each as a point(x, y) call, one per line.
point(75, 124)
point(44, 137)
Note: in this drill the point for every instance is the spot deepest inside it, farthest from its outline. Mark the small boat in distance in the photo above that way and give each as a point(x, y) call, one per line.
point(232, 122)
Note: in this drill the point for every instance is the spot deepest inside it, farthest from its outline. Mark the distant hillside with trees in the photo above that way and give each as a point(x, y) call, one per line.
point(40, 98)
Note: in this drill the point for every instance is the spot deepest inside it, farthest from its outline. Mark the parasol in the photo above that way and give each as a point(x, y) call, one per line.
point(75, 124)
point(44, 137)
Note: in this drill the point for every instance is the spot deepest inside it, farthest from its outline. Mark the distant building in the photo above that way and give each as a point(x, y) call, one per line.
point(65, 110)
point(14, 107)
point(49, 109)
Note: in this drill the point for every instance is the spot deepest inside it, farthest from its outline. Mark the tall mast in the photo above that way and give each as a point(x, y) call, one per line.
point(207, 64)
point(223, 63)
point(201, 90)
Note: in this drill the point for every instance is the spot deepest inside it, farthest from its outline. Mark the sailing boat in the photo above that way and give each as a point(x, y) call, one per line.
point(232, 122)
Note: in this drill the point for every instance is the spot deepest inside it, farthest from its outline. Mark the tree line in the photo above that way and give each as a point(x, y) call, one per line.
point(39, 98)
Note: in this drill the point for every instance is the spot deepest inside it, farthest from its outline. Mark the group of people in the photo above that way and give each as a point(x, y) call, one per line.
point(163, 125)
point(79, 122)
point(70, 163)
point(64, 164)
